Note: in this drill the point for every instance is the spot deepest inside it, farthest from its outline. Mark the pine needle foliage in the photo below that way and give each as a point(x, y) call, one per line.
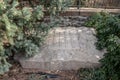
point(22, 30)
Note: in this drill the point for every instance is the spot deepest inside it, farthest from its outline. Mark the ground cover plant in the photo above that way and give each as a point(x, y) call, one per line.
point(22, 30)
point(108, 33)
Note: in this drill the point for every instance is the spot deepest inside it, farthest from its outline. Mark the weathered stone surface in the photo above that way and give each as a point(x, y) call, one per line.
point(66, 48)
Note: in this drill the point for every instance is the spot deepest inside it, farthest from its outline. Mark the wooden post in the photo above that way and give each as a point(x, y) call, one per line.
point(78, 4)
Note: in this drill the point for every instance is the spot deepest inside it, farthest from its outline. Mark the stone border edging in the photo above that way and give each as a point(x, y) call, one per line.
point(87, 11)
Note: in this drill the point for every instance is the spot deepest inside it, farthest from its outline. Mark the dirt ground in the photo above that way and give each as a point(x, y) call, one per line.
point(18, 73)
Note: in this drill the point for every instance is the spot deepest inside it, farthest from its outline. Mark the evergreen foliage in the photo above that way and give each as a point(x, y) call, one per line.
point(22, 30)
point(108, 34)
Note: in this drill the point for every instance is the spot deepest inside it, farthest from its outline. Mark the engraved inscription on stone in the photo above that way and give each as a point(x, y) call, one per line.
point(66, 48)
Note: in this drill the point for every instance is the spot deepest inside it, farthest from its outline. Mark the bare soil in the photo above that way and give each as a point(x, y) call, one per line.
point(18, 73)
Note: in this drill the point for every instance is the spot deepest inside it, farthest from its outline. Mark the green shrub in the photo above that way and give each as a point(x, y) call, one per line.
point(108, 34)
point(92, 74)
point(22, 29)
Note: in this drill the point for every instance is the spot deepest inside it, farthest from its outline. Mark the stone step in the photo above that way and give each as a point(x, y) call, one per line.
point(66, 48)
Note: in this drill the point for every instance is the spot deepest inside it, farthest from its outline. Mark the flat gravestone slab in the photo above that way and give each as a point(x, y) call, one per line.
point(66, 48)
